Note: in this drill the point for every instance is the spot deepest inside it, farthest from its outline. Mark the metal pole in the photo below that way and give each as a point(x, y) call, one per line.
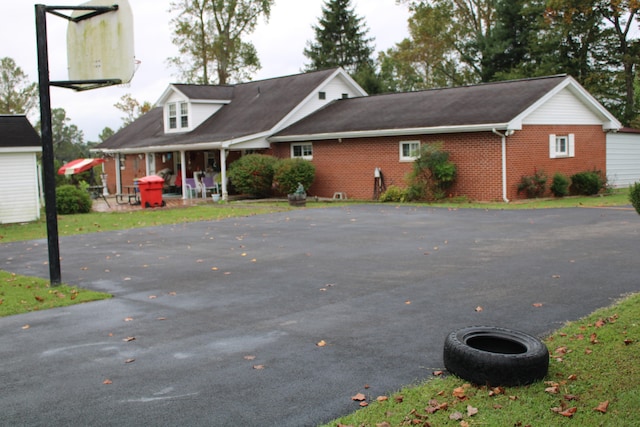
point(47, 145)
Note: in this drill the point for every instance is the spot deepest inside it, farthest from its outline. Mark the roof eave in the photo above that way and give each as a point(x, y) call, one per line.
point(485, 127)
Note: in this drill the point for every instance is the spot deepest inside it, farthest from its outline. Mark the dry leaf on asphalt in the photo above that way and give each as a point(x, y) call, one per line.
point(321, 343)
point(358, 397)
point(107, 381)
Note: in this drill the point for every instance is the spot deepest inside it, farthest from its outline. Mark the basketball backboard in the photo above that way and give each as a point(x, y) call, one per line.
point(101, 47)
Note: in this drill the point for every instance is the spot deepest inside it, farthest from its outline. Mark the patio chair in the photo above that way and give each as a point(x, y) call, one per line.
point(191, 187)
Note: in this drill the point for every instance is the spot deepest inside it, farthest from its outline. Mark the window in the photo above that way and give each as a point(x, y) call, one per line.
point(322, 95)
point(409, 150)
point(174, 115)
point(184, 115)
point(345, 95)
point(302, 151)
point(561, 146)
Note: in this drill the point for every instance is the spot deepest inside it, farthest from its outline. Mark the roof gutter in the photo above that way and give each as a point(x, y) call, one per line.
point(389, 132)
point(503, 137)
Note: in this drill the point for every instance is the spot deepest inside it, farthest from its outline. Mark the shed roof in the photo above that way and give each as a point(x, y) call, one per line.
point(16, 131)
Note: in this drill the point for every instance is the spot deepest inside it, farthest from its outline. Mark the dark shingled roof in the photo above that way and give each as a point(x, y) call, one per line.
point(16, 131)
point(488, 103)
point(255, 107)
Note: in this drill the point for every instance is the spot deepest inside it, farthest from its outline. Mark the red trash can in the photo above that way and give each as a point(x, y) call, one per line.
point(151, 191)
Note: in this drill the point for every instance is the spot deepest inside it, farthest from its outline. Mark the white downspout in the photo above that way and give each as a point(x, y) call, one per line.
point(118, 174)
point(503, 137)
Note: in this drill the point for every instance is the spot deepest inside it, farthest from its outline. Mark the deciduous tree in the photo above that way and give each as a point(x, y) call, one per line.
point(209, 34)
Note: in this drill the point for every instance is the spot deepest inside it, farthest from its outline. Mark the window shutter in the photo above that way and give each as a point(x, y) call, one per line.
point(572, 145)
point(552, 146)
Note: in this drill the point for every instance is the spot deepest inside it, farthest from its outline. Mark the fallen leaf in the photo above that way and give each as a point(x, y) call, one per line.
point(107, 381)
point(569, 412)
point(537, 304)
point(471, 411)
point(399, 398)
point(173, 293)
point(249, 357)
point(382, 398)
point(552, 390)
point(128, 319)
point(459, 392)
point(437, 373)
point(570, 397)
point(161, 318)
point(599, 323)
point(556, 276)
point(258, 367)
point(152, 297)
point(464, 424)
point(456, 416)
point(129, 339)
point(602, 407)
point(407, 302)
point(26, 327)
point(572, 377)
point(479, 309)
point(39, 298)
point(129, 360)
point(628, 341)
point(214, 268)
point(358, 397)
point(321, 343)
point(363, 404)
point(594, 338)
point(383, 424)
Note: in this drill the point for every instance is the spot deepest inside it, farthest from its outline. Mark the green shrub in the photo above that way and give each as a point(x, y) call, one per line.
point(253, 174)
point(634, 196)
point(394, 194)
point(290, 172)
point(587, 183)
point(560, 185)
point(432, 174)
point(72, 200)
point(533, 185)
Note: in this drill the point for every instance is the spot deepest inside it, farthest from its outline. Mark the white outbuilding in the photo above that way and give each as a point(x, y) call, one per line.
point(19, 183)
point(623, 157)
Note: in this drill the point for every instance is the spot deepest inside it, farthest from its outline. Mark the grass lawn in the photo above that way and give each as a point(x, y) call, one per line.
point(593, 380)
point(20, 294)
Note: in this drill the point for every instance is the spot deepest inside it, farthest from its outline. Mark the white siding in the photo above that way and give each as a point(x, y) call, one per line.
point(201, 112)
point(623, 158)
point(19, 199)
point(333, 90)
point(562, 109)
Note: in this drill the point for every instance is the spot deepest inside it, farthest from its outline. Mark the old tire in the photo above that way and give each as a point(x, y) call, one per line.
point(487, 355)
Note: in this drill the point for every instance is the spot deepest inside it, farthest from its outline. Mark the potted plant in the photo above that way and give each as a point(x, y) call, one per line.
point(298, 197)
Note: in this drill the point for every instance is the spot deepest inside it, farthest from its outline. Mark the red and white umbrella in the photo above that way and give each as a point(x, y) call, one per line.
point(79, 165)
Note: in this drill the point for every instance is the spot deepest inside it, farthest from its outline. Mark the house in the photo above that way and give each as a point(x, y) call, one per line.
point(19, 183)
point(198, 127)
point(496, 133)
point(623, 157)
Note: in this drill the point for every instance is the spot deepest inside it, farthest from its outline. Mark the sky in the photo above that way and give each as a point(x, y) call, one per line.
point(279, 42)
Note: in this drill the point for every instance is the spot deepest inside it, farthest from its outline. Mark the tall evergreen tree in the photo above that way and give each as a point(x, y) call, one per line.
point(17, 94)
point(341, 41)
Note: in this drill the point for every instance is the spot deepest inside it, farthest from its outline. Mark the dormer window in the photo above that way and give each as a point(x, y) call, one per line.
point(178, 115)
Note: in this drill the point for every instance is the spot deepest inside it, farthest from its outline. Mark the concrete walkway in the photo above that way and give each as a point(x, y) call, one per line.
point(227, 315)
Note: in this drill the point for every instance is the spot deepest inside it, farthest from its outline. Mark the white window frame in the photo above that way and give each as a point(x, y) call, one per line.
point(177, 116)
point(416, 151)
point(304, 154)
point(555, 144)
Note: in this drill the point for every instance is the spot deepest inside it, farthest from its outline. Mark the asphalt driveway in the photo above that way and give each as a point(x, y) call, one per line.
point(226, 315)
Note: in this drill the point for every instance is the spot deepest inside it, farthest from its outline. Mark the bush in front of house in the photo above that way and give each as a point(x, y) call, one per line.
point(253, 174)
point(394, 194)
point(587, 183)
point(291, 172)
point(533, 185)
point(72, 200)
point(432, 175)
point(634, 196)
point(560, 185)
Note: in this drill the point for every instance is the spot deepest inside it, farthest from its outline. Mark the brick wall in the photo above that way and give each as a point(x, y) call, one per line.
point(528, 151)
point(348, 165)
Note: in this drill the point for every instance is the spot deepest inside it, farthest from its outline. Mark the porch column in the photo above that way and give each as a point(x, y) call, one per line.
point(183, 172)
point(118, 173)
point(147, 164)
point(223, 172)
